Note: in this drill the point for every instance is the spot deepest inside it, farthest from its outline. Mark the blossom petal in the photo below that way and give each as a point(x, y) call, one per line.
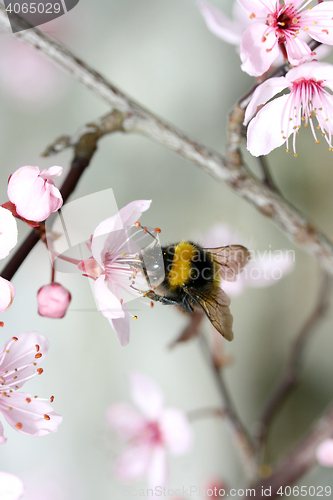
point(20, 356)
point(51, 173)
point(264, 93)
point(146, 394)
point(312, 70)
point(258, 49)
point(11, 487)
point(219, 24)
point(29, 415)
point(133, 462)
point(241, 17)
point(322, 30)
point(8, 232)
point(133, 211)
point(122, 328)
point(176, 430)
point(265, 130)
point(108, 303)
point(7, 294)
point(258, 7)
point(125, 419)
point(157, 471)
point(324, 453)
point(106, 232)
point(298, 50)
point(22, 180)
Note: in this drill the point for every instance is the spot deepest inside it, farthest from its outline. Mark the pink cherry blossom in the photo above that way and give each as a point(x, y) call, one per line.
point(11, 487)
point(53, 300)
point(33, 192)
point(148, 433)
point(264, 269)
point(8, 232)
point(282, 24)
point(7, 294)
point(324, 453)
point(232, 30)
point(19, 358)
point(111, 266)
point(283, 116)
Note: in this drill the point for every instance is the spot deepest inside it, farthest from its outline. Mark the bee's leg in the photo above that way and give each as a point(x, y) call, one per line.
point(186, 305)
point(160, 298)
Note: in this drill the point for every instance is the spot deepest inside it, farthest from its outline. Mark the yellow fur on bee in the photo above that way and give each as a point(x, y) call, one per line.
point(181, 265)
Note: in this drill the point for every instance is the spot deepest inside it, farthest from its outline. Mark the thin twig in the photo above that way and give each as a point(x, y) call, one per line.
point(85, 148)
point(242, 437)
point(301, 459)
point(267, 176)
point(204, 413)
point(292, 372)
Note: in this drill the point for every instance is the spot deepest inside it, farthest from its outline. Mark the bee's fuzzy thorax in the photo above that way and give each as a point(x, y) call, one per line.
point(180, 271)
point(188, 264)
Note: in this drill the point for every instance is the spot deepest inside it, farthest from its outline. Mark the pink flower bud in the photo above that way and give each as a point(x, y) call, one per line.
point(33, 192)
point(53, 300)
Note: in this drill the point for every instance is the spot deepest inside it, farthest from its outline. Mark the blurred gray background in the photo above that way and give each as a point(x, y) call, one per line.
point(162, 55)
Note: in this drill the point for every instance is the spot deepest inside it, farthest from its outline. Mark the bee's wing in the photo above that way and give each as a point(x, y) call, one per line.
point(216, 306)
point(231, 259)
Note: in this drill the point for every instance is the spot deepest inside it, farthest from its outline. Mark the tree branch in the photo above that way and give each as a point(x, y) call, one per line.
point(242, 437)
point(292, 372)
point(267, 176)
point(230, 169)
point(301, 459)
point(200, 413)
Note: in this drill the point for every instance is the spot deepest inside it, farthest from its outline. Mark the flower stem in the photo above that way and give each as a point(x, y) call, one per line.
point(267, 176)
point(291, 375)
point(242, 438)
point(205, 413)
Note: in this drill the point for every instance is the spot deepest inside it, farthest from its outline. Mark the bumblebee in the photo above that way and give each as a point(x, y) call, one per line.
point(192, 277)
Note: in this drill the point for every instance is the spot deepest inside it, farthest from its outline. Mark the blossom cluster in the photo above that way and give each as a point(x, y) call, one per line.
point(33, 197)
point(266, 32)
